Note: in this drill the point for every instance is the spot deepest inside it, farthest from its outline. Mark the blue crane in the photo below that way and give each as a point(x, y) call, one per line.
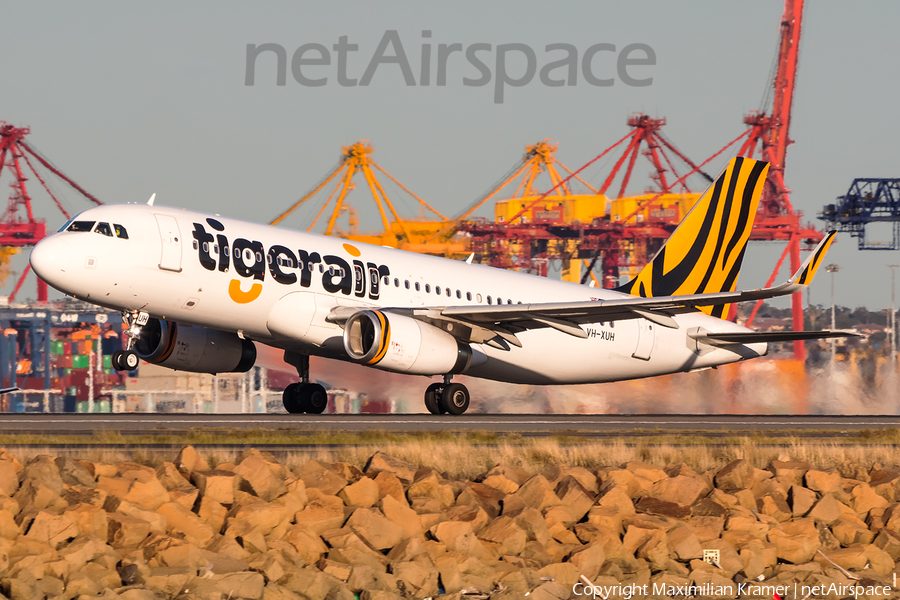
point(867, 201)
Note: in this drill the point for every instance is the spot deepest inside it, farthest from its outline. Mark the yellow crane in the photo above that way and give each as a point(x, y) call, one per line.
point(398, 232)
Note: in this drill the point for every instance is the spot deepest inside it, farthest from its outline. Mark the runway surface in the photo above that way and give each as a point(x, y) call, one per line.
point(533, 425)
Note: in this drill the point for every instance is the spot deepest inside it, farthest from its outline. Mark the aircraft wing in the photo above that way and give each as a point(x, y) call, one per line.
point(755, 337)
point(485, 323)
point(566, 316)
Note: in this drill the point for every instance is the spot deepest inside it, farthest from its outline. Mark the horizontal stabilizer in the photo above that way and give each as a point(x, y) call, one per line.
point(756, 337)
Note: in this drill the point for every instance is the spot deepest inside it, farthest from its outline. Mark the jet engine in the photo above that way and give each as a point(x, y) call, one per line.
point(195, 349)
point(403, 345)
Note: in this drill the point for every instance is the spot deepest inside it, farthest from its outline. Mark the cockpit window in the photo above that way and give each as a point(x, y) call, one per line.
point(81, 226)
point(120, 231)
point(103, 228)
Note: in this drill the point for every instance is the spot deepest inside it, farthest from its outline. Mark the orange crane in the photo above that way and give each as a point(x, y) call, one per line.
point(412, 234)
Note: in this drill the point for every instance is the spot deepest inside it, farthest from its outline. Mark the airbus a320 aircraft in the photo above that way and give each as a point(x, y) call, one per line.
point(199, 291)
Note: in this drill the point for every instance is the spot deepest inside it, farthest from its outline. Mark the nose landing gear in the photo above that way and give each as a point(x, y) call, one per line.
point(303, 397)
point(128, 360)
point(447, 397)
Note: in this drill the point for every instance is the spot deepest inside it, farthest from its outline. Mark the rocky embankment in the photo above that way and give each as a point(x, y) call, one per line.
point(259, 530)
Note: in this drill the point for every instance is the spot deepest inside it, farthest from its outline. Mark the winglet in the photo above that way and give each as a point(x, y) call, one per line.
point(469, 260)
point(805, 274)
point(152, 198)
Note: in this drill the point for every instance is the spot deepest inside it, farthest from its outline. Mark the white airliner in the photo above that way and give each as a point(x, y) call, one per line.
point(199, 291)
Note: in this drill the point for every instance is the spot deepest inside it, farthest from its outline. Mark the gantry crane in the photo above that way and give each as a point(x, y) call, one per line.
point(414, 234)
point(19, 228)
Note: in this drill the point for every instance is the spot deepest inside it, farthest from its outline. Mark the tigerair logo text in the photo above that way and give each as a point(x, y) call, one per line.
point(251, 261)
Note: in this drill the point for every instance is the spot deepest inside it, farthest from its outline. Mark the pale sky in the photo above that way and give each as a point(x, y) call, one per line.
point(131, 100)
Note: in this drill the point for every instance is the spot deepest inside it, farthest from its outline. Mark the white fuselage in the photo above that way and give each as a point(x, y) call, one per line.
point(172, 266)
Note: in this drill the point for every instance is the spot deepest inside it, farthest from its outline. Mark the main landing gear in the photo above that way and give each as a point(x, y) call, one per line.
point(127, 359)
point(447, 397)
point(303, 397)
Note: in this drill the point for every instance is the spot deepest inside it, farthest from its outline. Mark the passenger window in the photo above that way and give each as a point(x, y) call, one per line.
point(489, 299)
point(418, 287)
point(499, 300)
point(396, 282)
point(104, 229)
point(469, 296)
point(448, 292)
point(81, 226)
point(437, 290)
point(387, 281)
point(478, 298)
point(195, 245)
point(120, 231)
point(406, 283)
point(205, 246)
point(458, 295)
point(427, 288)
point(509, 301)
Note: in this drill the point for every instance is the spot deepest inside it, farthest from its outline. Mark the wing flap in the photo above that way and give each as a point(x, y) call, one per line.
point(756, 337)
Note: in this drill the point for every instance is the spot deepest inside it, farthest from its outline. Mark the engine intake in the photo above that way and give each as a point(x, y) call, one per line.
point(403, 345)
point(195, 349)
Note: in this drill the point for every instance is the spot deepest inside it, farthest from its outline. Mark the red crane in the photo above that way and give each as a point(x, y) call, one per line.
point(18, 227)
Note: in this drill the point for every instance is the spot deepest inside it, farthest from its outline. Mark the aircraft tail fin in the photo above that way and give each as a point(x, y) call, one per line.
point(704, 254)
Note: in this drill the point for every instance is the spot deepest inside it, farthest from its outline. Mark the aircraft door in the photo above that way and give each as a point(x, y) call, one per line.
point(170, 236)
point(646, 337)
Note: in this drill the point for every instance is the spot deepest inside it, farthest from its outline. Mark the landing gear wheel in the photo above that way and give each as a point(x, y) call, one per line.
point(313, 398)
point(455, 398)
point(115, 360)
point(433, 398)
point(129, 360)
point(291, 398)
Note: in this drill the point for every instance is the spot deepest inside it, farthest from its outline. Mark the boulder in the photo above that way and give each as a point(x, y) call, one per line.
point(827, 510)
point(75, 472)
point(647, 471)
point(684, 543)
point(889, 541)
point(52, 529)
point(654, 506)
point(90, 520)
point(219, 486)
point(680, 489)
point(381, 462)
point(319, 475)
point(179, 519)
point(735, 476)
point(459, 537)
point(797, 541)
point(507, 533)
point(126, 532)
point(189, 460)
point(156, 520)
point(249, 586)
point(265, 476)
point(212, 512)
point(79, 494)
point(576, 499)
point(792, 471)
point(390, 485)
point(801, 500)
point(401, 515)
point(823, 481)
point(865, 498)
point(372, 526)
point(257, 514)
point(364, 493)
point(427, 484)
point(321, 514)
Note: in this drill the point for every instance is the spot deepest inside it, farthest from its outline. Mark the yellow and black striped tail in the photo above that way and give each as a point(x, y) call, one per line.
point(705, 252)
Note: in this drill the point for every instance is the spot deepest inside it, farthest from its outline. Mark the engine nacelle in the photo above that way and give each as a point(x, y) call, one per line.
point(404, 345)
point(194, 349)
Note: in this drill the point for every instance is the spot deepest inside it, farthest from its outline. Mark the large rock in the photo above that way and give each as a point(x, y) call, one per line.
point(319, 475)
point(505, 532)
point(381, 462)
point(401, 515)
point(797, 541)
point(680, 489)
point(263, 473)
point(52, 530)
point(654, 506)
point(189, 460)
point(126, 532)
point(429, 485)
point(75, 472)
point(257, 514)
point(364, 493)
point(321, 514)
point(823, 481)
point(735, 476)
point(576, 499)
point(180, 520)
point(372, 526)
point(219, 486)
point(213, 513)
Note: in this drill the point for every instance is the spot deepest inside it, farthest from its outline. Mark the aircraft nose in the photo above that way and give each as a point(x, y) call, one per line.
point(50, 259)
